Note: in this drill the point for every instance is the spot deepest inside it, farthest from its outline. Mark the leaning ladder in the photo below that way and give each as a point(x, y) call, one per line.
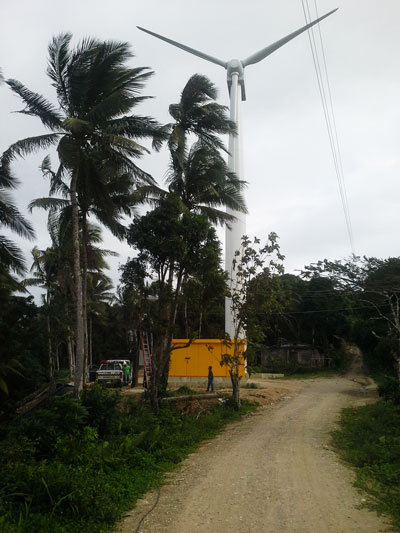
point(144, 342)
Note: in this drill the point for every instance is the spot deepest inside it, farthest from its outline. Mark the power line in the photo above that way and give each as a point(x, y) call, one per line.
point(328, 113)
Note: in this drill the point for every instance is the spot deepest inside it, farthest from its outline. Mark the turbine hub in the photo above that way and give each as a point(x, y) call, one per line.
point(235, 65)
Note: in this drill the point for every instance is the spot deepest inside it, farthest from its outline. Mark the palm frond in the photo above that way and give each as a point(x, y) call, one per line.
point(48, 203)
point(57, 183)
point(11, 257)
point(215, 216)
point(125, 145)
point(138, 127)
point(57, 68)
point(13, 219)
point(28, 146)
point(7, 179)
point(37, 106)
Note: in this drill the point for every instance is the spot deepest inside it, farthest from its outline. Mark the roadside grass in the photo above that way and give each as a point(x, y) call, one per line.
point(79, 465)
point(250, 386)
point(184, 390)
point(369, 439)
point(311, 373)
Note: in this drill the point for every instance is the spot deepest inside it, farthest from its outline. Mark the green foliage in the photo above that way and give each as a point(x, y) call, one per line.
point(303, 372)
point(103, 409)
point(65, 469)
point(22, 348)
point(388, 389)
point(254, 369)
point(184, 391)
point(369, 438)
point(373, 285)
point(64, 416)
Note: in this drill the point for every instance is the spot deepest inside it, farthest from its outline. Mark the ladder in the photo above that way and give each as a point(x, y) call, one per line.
point(144, 343)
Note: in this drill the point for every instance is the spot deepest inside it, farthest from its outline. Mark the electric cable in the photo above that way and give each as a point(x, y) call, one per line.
point(333, 116)
point(330, 124)
point(149, 511)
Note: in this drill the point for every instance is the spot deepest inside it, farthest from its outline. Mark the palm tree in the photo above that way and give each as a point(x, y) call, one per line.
point(11, 259)
point(198, 173)
point(99, 295)
point(206, 185)
point(52, 268)
point(95, 91)
point(44, 271)
point(199, 114)
point(104, 194)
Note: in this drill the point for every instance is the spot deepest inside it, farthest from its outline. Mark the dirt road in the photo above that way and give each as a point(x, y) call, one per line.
point(273, 472)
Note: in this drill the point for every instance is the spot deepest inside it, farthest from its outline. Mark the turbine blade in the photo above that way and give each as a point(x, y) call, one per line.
point(259, 56)
point(186, 48)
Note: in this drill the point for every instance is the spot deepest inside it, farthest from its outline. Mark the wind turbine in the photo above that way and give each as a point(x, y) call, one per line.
point(235, 78)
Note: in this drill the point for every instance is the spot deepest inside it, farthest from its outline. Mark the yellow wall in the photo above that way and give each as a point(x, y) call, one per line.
point(194, 360)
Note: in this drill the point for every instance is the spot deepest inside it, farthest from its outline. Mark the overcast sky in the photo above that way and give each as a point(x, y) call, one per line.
point(293, 188)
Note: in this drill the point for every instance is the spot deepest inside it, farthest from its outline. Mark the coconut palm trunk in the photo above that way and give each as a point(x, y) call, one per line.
point(79, 329)
point(49, 344)
point(84, 293)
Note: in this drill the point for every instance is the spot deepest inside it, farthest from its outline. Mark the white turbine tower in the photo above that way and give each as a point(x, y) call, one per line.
point(235, 77)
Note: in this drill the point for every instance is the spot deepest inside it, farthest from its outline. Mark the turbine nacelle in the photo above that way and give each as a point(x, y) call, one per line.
point(235, 66)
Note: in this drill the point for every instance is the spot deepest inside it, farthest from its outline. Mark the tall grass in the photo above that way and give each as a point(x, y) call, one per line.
point(369, 438)
point(78, 465)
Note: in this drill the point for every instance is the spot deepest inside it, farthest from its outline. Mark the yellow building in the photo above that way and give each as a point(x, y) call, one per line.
point(194, 360)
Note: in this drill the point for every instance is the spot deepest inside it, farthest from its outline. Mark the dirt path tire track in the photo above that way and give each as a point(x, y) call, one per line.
point(273, 472)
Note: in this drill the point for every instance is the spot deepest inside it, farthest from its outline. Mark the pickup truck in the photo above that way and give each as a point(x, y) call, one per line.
point(111, 371)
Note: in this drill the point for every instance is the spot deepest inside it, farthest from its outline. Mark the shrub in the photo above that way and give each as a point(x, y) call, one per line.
point(103, 407)
point(184, 391)
point(388, 389)
point(254, 369)
point(41, 429)
point(369, 438)
point(86, 479)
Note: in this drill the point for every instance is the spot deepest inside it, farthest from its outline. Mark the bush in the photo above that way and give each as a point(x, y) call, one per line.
point(40, 430)
point(254, 369)
point(369, 438)
point(388, 389)
point(184, 391)
point(84, 479)
point(103, 407)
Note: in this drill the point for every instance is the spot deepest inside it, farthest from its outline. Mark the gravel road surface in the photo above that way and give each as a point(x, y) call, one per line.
point(272, 472)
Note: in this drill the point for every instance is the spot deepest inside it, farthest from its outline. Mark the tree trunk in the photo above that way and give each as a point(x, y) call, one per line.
point(200, 321)
point(49, 347)
point(159, 379)
point(79, 324)
point(90, 342)
point(71, 362)
point(234, 370)
point(84, 295)
point(397, 358)
point(235, 379)
point(135, 373)
point(185, 312)
point(57, 357)
point(162, 353)
point(154, 400)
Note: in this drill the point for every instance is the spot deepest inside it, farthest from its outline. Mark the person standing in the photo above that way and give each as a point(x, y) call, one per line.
point(127, 372)
point(210, 384)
